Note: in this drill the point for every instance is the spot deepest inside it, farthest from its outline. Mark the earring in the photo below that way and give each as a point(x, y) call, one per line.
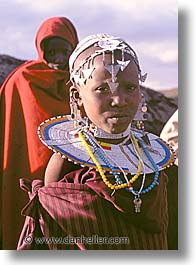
point(92, 128)
point(141, 115)
point(75, 110)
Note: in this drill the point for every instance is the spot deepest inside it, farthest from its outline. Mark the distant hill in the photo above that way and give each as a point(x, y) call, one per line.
point(7, 65)
point(160, 109)
point(170, 93)
point(161, 104)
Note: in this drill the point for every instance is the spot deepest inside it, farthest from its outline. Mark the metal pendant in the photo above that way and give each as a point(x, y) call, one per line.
point(113, 69)
point(123, 64)
point(113, 86)
point(79, 80)
point(87, 73)
point(137, 203)
point(143, 77)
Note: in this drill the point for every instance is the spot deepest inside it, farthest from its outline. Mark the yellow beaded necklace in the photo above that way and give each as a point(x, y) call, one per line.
point(101, 172)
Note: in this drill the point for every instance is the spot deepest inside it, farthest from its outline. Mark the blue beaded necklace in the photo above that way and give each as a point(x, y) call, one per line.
point(102, 156)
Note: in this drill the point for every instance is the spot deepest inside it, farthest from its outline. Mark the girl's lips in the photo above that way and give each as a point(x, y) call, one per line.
point(117, 119)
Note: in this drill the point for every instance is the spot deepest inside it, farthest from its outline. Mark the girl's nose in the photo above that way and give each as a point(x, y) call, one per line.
point(118, 99)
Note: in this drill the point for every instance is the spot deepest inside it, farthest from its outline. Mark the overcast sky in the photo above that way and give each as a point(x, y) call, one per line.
point(150, 27)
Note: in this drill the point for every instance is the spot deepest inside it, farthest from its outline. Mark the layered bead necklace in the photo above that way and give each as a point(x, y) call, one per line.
point(120, 184)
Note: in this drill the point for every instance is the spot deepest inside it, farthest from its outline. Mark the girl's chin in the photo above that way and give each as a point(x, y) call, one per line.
point(119, 128)
point(116, 129)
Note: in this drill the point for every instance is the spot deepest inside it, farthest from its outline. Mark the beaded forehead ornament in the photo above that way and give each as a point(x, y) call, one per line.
point(104, 43)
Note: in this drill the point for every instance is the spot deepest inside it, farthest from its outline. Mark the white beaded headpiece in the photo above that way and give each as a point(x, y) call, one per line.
point(106, 43)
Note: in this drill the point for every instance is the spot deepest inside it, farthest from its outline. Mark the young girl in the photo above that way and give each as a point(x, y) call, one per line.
point(104, 185)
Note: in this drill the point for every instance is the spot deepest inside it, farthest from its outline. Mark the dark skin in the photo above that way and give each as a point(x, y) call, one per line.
point(112, 112)
point(57, 52)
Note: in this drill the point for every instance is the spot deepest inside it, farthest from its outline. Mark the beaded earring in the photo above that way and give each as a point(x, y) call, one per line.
point(75, 110)
point(141, 115)
point(92, 127)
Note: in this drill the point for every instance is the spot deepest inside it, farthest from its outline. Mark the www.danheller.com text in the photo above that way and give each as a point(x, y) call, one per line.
point(94, 239)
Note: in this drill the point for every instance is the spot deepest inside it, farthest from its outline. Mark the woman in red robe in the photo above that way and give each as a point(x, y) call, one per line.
point(35, 91)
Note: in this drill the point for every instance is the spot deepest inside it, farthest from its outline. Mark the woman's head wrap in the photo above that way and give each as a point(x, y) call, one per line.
point(55, 27)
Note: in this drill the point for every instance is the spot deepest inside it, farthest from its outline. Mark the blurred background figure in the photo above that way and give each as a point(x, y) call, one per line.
point(170, 134)
point(33, 92)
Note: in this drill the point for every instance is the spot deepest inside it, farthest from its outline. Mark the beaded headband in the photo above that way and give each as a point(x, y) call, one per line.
point(105, 43)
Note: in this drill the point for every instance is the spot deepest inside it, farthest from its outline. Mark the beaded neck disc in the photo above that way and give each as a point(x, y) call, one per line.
point(59, 135)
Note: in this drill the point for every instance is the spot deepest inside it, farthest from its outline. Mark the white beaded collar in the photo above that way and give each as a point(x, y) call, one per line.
point(59, 135)
point(99, 133)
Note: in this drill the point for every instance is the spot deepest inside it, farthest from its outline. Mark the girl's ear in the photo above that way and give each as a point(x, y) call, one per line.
point(75, 95)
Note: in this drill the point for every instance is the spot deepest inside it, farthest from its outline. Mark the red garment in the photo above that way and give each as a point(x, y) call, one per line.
point(31, 94)
point(80, 206)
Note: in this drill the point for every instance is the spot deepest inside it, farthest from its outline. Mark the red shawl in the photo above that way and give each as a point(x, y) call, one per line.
point(31, 94)
point(80, 207)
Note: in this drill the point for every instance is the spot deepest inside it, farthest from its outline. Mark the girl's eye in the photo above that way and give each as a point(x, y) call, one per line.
point(102, 89)
point(131, 87)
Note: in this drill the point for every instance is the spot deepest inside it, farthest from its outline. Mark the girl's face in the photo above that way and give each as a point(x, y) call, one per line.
point(57, 52)
point(112, 112)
